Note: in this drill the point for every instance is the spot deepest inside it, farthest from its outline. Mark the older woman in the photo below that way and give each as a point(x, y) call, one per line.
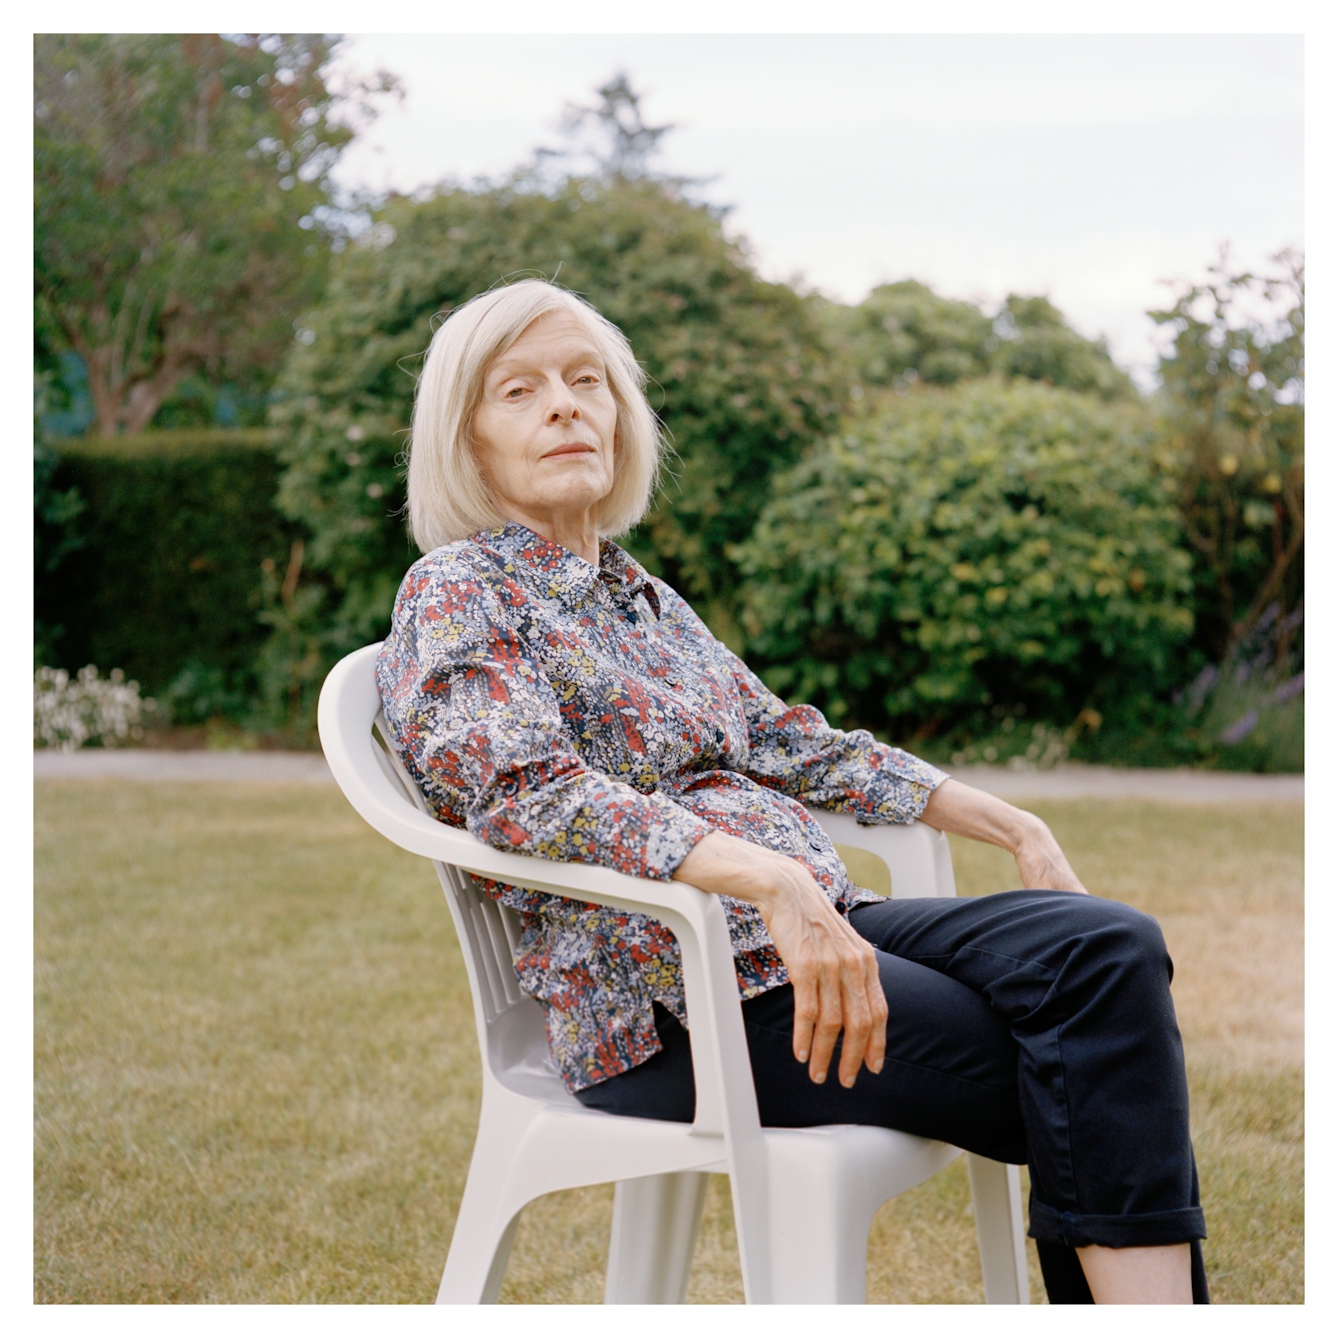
point(551, 696)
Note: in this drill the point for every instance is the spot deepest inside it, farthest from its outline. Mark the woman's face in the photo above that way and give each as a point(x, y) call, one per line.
point(544, 429)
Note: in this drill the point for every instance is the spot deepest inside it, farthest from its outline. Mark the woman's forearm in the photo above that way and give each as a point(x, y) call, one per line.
point(732, 867)
point(966, 811)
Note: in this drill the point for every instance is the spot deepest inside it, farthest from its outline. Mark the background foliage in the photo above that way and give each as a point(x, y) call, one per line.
point(989, 545)
point(1234, 407)
point(904, 333)
point(178, 185)
point(164, 574)
point(739, 374)
point(963, 527)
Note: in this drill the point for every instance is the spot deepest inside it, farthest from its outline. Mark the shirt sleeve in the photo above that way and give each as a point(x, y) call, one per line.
point(479, 726)
point(793, 749)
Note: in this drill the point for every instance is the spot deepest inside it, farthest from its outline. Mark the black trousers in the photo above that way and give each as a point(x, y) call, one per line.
point(1030, 1027)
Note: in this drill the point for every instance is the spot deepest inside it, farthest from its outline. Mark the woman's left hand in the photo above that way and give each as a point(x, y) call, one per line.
point(1042, 863)
point(834, 972)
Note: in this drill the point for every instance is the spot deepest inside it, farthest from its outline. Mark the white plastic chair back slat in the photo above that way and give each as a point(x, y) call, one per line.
point(495, 917)
point(493, 931)
point(511, 928)
point(487, 938)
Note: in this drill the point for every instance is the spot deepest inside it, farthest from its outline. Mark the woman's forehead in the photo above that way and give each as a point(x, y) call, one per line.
point(556, 336)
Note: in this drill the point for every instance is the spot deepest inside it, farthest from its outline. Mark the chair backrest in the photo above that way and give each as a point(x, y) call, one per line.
point(491, 931)
point(357, 743)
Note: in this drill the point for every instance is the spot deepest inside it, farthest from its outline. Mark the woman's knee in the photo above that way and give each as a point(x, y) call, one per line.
point(1139, 930)
point(1124, 937)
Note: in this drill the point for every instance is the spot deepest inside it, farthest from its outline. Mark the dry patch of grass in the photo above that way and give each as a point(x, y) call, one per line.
point(256, 1075)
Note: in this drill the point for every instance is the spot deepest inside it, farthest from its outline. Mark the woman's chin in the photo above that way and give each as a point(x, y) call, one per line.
point(572, 490)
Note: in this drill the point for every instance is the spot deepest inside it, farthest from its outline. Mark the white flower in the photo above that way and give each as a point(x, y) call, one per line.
point(88, 709)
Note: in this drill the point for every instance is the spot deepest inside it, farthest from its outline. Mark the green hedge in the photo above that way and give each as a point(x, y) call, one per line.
point(169, 563)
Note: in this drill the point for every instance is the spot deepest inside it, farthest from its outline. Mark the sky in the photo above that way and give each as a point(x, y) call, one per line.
point(1087, 168)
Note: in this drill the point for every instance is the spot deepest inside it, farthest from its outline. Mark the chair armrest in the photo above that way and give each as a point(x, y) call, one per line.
point(720, 1062)
point(917, 856)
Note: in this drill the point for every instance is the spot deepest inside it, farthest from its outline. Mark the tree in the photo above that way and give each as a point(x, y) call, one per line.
point(904, 333)
point(1233, 397)
point(1036, 342)
point(612, 135)
point(178, 184)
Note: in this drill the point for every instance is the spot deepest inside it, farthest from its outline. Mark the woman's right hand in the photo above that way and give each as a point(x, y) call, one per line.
point(833, 971)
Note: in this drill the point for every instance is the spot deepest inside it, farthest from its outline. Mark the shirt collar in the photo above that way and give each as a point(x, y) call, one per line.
point(557, 573)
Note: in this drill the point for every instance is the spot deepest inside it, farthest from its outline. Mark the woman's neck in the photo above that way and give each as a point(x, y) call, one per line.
point(576, 533)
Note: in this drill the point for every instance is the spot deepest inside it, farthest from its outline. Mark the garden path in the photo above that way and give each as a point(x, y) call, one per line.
point(1074, 781)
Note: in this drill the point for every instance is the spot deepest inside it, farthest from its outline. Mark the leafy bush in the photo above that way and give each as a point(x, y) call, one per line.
point(904, 333)
point(67, 713)
point(1233, 401)
point(739, 374)
point(168, 580)
point(985, 547)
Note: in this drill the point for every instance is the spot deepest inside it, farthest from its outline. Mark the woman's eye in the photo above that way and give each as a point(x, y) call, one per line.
point(515, 392)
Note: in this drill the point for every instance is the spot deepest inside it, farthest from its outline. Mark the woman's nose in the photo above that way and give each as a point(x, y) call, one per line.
point(562, 406)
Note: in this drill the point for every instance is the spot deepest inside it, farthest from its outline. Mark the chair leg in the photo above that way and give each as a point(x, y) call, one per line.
point(997, 1194)
point(655, 1221)
point(821, 1257)
point(480, 1247)
point(819, 1226)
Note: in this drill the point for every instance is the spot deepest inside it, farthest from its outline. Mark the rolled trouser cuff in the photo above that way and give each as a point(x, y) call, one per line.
point(1118, 1233)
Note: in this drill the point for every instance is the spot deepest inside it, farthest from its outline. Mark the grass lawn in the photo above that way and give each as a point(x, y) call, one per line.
point(256, 1075)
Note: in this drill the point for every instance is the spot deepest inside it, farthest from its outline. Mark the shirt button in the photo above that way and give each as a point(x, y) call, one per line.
point(719, 736)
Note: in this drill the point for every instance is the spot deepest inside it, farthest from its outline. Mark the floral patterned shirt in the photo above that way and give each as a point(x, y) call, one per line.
point(579, 713)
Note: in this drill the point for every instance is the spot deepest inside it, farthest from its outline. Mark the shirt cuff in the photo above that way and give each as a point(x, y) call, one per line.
point(900, 789)
point(671, 839)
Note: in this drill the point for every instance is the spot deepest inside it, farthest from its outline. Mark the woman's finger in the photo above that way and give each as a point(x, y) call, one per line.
point(829, 1019)
point(876, 1046)
point(857, 1011)
point(854, 1042)
point(805, 1012)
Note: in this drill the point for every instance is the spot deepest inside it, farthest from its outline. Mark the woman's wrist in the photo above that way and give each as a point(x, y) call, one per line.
point(1027, 830)
point(731, 867)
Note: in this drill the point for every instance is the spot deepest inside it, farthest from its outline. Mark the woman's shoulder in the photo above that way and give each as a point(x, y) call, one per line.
point(677, 613)
point(459, 576)
point(450, 561)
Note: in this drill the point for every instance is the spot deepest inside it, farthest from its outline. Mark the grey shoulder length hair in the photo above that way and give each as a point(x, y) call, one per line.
point(448, 496)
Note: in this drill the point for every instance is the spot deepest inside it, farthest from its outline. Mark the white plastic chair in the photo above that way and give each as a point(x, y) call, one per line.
point(804, 1199)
